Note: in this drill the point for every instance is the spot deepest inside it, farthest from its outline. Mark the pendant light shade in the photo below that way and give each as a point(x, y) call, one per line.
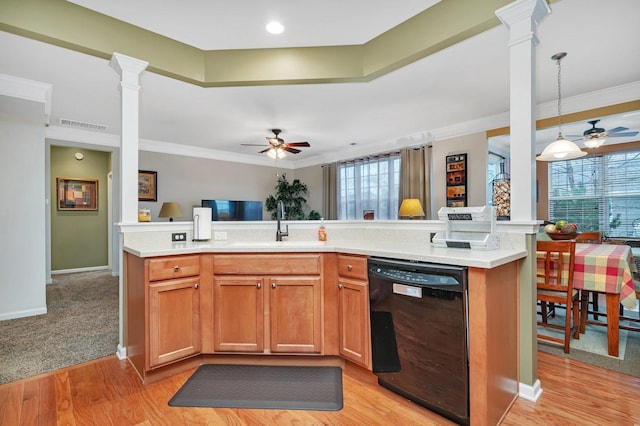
point(561, 149)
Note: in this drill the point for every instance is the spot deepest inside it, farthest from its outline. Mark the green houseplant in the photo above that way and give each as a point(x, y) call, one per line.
point(292, 196)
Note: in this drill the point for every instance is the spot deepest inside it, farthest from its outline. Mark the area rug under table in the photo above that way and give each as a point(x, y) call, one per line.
point(259, 386)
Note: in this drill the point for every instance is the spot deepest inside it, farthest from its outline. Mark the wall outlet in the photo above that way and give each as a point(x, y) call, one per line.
point(178, 236)
point(219, 235)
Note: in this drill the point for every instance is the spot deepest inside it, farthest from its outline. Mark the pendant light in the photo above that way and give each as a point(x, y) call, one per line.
point(561, 149)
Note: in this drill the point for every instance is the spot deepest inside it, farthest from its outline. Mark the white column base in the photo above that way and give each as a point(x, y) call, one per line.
point(121, 353)
point(530, 393)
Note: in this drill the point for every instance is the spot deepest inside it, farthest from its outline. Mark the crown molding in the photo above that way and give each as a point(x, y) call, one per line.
point(29, 90)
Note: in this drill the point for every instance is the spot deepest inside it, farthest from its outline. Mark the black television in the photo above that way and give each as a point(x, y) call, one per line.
point(234, 210)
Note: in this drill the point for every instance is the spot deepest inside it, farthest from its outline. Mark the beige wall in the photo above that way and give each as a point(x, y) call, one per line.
point(312, 177)
point(79, 239)
point(188, 180)
point(476, 148)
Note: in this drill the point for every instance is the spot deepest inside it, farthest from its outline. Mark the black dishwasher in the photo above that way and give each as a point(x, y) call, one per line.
point(419, 333)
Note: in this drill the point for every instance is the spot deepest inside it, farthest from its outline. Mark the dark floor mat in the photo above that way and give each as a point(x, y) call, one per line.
point(259, 386)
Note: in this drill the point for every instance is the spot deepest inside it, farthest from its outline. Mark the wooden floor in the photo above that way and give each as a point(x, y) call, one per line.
point(107, 391)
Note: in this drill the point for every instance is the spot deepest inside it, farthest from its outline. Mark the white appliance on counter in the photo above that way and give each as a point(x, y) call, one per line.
point(468, 227)
point(201, 223)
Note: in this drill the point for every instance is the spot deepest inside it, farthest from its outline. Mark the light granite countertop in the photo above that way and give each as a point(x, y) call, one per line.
point(408, 251)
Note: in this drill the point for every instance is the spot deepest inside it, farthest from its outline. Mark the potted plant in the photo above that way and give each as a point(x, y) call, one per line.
point(292, 196)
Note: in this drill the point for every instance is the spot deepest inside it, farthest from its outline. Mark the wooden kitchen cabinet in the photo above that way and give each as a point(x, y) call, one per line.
point(267, 303)
point(163, 310)
point(353, 301)
point(174, 320)
point(238, 312)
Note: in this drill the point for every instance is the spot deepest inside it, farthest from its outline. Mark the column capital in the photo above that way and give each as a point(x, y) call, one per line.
point(129, 69)
point(519, 10)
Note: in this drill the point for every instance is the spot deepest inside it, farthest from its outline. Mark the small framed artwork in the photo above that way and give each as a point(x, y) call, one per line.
point(77, 194)
point(147, 185)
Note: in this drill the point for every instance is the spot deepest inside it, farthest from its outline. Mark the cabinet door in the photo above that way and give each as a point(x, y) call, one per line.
point(174, 320)
point(238, 314)
point(354, 320)
point(295, 314)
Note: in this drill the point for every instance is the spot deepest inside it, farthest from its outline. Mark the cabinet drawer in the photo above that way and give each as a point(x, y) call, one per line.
point(271, 264)
point(352, 266)
point(164, 268)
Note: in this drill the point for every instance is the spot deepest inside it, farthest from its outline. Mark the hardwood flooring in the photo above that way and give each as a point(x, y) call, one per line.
point(108, 392)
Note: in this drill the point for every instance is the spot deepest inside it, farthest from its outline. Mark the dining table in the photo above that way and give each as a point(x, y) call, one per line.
point(607, 268)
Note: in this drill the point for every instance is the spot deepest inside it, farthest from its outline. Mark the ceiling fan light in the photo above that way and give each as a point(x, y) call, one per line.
point(561, 149)
point(276, 153)
point(594, 143)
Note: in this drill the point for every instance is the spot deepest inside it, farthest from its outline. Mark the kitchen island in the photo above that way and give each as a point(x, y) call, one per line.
point(176, 318)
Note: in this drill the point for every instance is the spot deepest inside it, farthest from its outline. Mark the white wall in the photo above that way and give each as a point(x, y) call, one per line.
point(23, 208)
point(476, 148)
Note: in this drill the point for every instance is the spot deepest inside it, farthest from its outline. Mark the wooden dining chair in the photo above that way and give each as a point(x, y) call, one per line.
point(591, 238)
point(556, 261)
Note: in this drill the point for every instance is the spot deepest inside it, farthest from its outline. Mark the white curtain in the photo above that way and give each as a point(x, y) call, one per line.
point(330, 191)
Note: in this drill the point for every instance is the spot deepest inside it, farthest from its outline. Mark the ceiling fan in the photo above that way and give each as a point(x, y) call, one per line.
point(276, 143)
point(595, 136)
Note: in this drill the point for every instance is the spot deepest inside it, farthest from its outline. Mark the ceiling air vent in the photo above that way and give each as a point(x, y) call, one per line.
point(82, 125)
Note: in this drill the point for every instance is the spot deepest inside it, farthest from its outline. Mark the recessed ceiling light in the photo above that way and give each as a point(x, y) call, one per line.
point(275, 27)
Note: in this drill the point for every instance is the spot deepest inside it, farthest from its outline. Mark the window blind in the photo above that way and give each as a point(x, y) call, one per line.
point(369, 184)
point(598, 193)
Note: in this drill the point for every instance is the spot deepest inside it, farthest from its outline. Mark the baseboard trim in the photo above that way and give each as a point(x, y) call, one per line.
point(88, 269)
point(530, 393)
point(22, 314)
point(121, 353)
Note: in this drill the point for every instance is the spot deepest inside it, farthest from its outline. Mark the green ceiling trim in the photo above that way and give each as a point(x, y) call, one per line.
point(67, 25)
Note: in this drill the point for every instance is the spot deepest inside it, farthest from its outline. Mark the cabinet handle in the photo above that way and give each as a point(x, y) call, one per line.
point(340, 286)
point(349, 267)
point(176, 268)
point(258, 285)
point(196, 286)
point(273, 285)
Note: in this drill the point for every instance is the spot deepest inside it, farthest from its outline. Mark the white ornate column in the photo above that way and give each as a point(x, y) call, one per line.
point(522, 18)
point(129, 70)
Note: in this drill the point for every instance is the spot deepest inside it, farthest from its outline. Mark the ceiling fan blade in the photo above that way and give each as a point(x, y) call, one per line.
point(291, 150)
point(616, 130)
point(265, 150)
point(622, 135)
point(299, 144)
point(252, 144)
point(573, 136)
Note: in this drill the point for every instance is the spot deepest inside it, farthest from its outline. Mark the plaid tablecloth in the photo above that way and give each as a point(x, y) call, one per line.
point(606, 268)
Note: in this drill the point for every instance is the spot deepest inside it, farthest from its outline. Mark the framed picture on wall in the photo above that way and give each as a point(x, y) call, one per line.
point(147, 185)
point(456, 180)
point(77, 194)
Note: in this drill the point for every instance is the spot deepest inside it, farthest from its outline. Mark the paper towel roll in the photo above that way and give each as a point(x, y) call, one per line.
point(201, 223)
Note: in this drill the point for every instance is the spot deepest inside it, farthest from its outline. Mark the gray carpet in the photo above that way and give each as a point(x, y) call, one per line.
point(628, 362)
point(262, 387)
point(81, 324)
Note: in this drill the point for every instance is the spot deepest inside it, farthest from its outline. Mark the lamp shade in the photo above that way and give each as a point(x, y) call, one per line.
point(170, 209)
point(561, 149)
point(411, 207)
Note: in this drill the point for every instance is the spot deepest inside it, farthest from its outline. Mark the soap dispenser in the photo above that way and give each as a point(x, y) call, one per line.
point(322, 231)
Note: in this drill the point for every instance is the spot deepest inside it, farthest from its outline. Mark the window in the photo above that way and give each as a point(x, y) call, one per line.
point(598, 193)
point(369, 184)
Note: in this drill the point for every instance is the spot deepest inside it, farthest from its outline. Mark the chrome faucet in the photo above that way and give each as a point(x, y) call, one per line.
point(280, 216)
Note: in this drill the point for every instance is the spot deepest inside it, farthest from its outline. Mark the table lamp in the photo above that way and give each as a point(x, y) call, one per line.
point(411, 207)
point(170, 209)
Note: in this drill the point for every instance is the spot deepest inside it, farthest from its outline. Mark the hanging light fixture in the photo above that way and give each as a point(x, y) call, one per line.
point(561, 149)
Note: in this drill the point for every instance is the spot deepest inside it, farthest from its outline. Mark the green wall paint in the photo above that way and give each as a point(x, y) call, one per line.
point(79, 239)
point(65, 24)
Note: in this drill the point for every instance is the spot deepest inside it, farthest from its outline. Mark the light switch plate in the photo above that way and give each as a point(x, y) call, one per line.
point(178, 237)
